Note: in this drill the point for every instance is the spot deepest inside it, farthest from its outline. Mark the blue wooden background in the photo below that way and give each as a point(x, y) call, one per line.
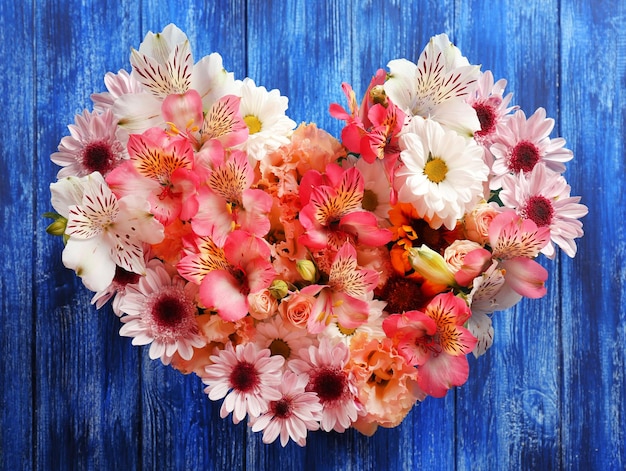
point(550, 394)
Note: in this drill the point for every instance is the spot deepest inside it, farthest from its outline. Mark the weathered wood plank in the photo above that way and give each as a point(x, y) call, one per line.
point(593, 63)
point(16, 244)
point(87, 384)
point(550, 394)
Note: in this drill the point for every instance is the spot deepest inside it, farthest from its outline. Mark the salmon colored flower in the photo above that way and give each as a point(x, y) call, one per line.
point(386, 382)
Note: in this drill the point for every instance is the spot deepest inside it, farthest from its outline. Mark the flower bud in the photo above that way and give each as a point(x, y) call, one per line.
point(431, 266)
point(279, 289)
point(307, 270)
point(57, 227)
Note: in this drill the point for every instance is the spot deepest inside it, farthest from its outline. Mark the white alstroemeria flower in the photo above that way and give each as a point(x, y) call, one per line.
point(437, 86)
point(103, 231)
point(163, 65)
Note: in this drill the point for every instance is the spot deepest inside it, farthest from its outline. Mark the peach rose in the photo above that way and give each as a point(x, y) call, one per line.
point(455, 253)
point(477, 222)
point(262, 304)
point(296, 309)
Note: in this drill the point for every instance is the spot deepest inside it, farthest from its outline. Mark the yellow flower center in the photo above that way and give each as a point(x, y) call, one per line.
point(345, 331)
point(435, 170)
point(253, 123)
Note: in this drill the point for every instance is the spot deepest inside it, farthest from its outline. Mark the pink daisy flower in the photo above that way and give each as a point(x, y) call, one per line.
point(291, 416)
point(248, 378)
point(523, 143)
point(333, 385)
point(117, 85)
point(92, 146)
point(544, 197)
point(161, 312)
point(490, 105)
point(116, 290)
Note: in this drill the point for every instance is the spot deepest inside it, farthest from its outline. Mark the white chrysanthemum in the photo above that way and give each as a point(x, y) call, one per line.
point(442, 175)
point(264, 114)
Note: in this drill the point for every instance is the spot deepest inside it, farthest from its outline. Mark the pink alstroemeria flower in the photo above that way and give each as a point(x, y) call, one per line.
point(409, 331)
point(159, 170)
point(244, 269)
point(444, 354)
point(332, 210)
point(343, 297)
point(227, 202)
point(371, 131)
point(516, 242)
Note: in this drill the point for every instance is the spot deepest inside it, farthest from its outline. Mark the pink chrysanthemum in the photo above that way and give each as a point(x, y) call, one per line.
point(523, 143)
point(161, 312)
point(116, 290)
point(331, 382)
point(544, 197)
point(247, 376)
point(490, 105)
point(291, 416)
point(92, 146)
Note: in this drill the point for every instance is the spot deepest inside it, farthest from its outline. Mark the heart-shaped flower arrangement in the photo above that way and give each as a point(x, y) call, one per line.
point(310, 282)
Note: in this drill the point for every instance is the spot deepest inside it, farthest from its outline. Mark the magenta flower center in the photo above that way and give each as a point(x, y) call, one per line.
point(524, 157)
point(329, 384)
point(487, 118)
point(171, 313)
point(124, 277)
point(244, 377)
point(98, 157)
point(539, 209)
point(281, 408)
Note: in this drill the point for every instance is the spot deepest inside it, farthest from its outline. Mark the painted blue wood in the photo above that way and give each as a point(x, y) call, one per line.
point(550, 394)
point(17, 166)
point(594, 317)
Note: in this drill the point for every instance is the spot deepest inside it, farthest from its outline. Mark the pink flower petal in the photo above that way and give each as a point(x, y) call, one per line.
point(526, 277)
point(221, 291)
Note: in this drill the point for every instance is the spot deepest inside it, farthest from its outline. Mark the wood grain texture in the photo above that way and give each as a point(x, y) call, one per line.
point(17, 166)
point(594, 320)
point(550, 394)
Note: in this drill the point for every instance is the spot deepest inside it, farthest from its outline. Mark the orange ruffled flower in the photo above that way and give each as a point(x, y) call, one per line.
point(387, 384)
